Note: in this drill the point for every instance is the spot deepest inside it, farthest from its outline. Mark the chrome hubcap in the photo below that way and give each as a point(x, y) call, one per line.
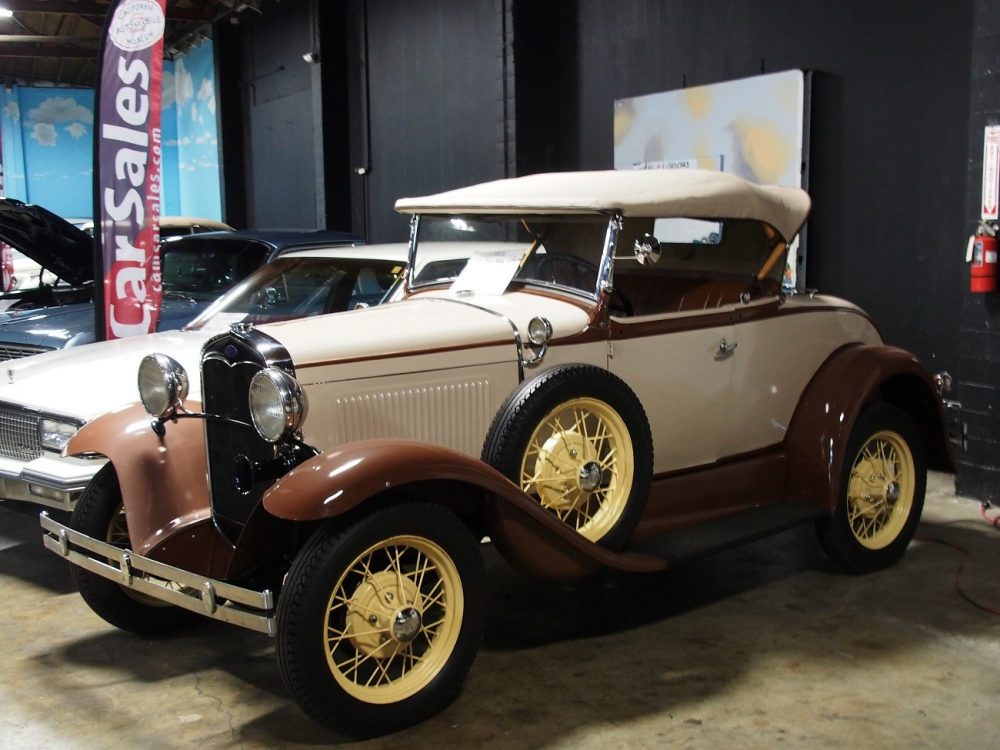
point(892, 492)
point(406, 624)
point(590, 476)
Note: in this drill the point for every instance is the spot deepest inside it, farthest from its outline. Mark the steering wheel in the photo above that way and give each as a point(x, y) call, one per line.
point(566, 270)
point(617, 301)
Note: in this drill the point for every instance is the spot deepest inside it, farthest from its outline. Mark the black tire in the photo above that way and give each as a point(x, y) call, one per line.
point(98, 514)
point(876, 516)
point(596, 506)
point(351, 674)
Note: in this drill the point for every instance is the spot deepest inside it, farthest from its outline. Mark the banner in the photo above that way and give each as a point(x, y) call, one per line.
point(127, 155)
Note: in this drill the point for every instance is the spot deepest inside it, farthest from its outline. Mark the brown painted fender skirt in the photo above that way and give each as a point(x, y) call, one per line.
point(531, 538)
point(852, 378)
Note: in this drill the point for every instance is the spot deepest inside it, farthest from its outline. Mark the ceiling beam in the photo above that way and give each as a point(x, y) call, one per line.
point(67, 51)
point(44, 39)
point(61, 7)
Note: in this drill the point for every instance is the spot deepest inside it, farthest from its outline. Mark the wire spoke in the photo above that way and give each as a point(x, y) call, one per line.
point(581, 422)
point(359, 661)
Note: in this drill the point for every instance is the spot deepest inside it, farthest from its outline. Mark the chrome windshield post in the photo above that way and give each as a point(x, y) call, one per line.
point(412, 254)
point(605, 278)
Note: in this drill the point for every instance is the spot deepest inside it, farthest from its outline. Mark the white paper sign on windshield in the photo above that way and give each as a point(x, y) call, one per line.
point(488, 273)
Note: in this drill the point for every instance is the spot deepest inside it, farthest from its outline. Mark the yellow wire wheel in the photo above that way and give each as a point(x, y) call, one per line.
point(579, 463)
point(118, 536)
point(880, 489)
point(380, 620)
point(99, 514)
point(882, 482)
point(576, 439)
point(393, 619)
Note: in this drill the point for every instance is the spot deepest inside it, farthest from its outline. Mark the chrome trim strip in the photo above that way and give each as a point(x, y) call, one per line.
point(68, 504)
point(52, 483)
point(605, 276)
point(269, 348)
point(42, 414)
point(411, 254)
point(216, 599)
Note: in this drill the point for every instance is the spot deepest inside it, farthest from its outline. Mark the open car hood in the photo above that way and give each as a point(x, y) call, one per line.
point(47, 239)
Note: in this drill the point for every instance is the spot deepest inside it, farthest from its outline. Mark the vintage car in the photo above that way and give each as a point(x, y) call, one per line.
point(197, 269)
point(617, 373)
point(38, 414)
point(52, 259)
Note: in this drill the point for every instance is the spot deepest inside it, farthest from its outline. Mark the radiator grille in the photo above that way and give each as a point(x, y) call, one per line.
point(16, 351)
point(19, 434)
point(228, 364)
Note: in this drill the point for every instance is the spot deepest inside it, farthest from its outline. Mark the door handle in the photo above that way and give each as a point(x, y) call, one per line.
point(725, 348)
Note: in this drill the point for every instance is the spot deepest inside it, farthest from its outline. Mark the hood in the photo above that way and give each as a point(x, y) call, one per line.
point(49, 240)
point(444, 331)
point(91, 380)
point(51, 327)
point(73, 325)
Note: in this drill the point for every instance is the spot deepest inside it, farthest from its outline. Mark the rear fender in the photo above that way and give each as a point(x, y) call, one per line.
point(530, 538)
point(852, 378)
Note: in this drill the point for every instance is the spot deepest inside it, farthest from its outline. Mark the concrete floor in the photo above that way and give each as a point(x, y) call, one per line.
point(762, 646)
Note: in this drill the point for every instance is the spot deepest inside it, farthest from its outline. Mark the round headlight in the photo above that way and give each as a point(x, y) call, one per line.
point(539, 331)
point(277, 404)
point(163, 385)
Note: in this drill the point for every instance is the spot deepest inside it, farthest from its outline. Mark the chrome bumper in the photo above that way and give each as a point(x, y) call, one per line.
point(50, 480)
point(212, 598)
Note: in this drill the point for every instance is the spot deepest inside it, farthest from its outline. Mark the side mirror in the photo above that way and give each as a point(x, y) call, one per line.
point(647, 250)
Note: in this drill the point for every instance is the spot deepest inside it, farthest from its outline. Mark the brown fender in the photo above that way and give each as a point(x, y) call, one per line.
point(850, 379)
point(532, 539)
point(164, 484)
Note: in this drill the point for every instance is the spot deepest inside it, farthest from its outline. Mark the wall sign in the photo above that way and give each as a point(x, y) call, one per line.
point(991, 174)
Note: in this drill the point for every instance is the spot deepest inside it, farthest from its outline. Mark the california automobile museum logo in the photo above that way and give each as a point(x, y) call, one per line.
point(137, 24)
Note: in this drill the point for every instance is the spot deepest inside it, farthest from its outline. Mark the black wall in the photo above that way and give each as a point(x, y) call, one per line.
point(426, 95)
point(888, 137)
point(435, 105)
point(979, 336)
point(280, 101)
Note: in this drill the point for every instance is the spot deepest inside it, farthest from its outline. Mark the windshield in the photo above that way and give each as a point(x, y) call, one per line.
point(300, 287)
point(562, 252)
point(201, 270)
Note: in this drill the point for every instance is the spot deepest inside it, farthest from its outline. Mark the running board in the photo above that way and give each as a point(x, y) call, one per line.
point(733, 531)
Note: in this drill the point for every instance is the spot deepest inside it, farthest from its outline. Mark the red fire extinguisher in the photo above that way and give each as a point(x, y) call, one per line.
point(983, 277)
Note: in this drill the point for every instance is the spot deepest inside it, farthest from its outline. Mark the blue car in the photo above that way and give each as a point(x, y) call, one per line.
point(196, 268)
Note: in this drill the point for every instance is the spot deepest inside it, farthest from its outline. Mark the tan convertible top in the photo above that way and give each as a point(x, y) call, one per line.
point(692, 193)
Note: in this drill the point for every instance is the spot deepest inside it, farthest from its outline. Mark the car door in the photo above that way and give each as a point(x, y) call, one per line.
point(671, 333)
point(680, 367)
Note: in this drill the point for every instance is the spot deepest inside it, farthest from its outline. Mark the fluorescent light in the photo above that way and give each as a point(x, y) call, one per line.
point(5, 13)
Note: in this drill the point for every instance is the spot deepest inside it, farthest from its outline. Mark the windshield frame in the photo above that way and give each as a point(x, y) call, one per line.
point(604, 266)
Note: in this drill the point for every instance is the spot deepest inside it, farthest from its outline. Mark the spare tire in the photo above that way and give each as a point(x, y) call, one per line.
point(576, 438)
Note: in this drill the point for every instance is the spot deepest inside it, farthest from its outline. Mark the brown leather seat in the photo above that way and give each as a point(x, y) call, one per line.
point(658, 294)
